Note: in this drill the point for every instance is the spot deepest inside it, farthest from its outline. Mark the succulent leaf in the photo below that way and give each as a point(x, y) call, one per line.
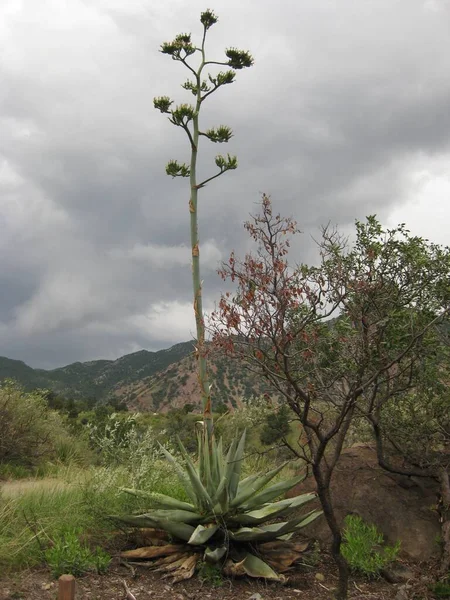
point(251, 486)
point(177, 516)
point(202, 534)
point(202, 497)
point(182, 475)
point(161, 500)
point(255, 567)
point(236, 464)
point(268, 533)
point(273, 491)
point(215, 554)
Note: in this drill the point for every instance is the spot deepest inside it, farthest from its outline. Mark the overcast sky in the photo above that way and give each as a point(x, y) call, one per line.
point(345, 113)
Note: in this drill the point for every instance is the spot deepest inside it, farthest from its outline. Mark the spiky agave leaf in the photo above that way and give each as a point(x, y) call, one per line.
point(268, 533)
point(182, 475)
point(223, 490)
point(181, 531)
point(203, 499)
point(256, 567)
point(271, 492)
point(161, 500)
point(252, 485)
point(236, 467)
point(250, 565)
point(271, 511)
point(214, 555)
point(175, 515)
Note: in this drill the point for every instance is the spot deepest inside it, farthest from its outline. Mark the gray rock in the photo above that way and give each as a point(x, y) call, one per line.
point(403, 592)
point(397, 573)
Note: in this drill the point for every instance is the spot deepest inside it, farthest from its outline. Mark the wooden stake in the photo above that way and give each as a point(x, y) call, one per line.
point(66, 587)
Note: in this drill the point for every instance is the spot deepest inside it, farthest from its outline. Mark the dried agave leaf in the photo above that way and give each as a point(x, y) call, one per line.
point(234, 569)
point(174, 564)
point(281, 555)
point(165, 560)
point(148, 536)
point(187, 569)
point(153, 551)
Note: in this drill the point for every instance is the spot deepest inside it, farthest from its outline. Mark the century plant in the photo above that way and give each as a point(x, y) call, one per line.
point(224, 519)
point(186, 116)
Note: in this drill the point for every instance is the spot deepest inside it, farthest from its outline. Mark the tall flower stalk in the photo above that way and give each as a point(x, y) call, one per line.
point(225, 520)
point(186, 116)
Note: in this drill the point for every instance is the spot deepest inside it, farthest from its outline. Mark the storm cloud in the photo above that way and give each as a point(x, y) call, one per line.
point(345, 113)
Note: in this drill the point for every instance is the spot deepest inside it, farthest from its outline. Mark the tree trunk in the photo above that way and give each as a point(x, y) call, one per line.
point(323, 491)
point(445, 519)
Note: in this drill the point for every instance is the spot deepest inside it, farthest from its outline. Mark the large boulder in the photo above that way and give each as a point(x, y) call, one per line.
point(403, 508)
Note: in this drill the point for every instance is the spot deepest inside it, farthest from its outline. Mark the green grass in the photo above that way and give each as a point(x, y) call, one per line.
point(39, 505)
point(35, 514)
point(364, 548)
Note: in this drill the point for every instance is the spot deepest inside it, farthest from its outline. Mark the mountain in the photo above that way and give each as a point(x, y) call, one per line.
point(145, 381)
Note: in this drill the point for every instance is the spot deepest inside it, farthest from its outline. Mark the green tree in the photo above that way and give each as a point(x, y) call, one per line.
point(336, 338)
point(415, 424)
point(276, 426)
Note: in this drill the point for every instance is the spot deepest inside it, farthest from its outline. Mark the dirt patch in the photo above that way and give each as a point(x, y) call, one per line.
point(144, 585)
point(12, 489)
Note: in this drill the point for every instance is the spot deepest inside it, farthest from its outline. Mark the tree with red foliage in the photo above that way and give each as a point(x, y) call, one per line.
point(333, 339)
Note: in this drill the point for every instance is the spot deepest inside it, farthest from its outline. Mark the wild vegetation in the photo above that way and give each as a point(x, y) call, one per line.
point(49, 494)
point(357, 338)
point(224, 520)
point(354, 346)
point(143, 381)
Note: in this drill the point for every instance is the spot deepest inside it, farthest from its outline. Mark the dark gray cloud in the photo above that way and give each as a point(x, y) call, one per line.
point(345, 113)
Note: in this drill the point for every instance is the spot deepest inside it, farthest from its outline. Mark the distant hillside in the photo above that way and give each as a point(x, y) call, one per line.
point(178, 385)
point(146, 381)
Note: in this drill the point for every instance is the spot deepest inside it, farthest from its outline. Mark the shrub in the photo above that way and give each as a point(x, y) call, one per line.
point(69, 555)
point(363, 549)
point(30, 432)
point(441, 589)
point(111, 437)
point(276, 426)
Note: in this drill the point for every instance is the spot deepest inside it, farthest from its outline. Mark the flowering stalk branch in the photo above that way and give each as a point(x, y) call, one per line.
point(186, 116)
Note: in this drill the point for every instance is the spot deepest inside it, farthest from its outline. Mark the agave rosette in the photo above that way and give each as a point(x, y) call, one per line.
point(227, 520)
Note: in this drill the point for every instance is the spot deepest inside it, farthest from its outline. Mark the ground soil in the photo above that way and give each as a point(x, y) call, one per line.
point(402, 508)
point(303, 584)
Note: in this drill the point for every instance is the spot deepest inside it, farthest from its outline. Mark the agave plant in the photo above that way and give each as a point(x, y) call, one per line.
point(226, 519)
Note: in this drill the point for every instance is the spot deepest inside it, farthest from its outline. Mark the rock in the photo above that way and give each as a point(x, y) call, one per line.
point(47, 586)
point(403, 592)
point(255, 596)
point(397, 573)
point(399, 506)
